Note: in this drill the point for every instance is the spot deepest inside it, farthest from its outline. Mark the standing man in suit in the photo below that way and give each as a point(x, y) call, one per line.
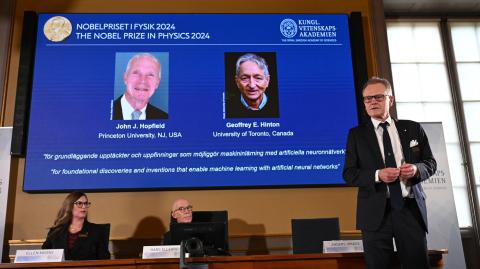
point(387, 160)
point(142, 78)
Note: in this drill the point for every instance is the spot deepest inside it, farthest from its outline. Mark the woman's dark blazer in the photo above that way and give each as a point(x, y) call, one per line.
point(92, 242)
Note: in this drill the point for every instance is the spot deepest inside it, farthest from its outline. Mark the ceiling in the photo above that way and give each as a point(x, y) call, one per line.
point(432, 6)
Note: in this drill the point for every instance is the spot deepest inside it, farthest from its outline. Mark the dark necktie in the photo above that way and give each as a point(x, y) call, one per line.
point(396, 198)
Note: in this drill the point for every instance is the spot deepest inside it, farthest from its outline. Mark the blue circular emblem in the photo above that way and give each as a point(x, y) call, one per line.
point(288, 28)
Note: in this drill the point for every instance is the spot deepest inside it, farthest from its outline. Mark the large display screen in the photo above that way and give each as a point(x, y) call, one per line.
point(179, 101)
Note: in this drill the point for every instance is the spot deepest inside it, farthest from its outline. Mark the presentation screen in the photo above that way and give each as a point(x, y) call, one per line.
point(184, 101)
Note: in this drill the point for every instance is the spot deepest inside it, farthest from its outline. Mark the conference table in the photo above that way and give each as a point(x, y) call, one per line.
point(284, 261)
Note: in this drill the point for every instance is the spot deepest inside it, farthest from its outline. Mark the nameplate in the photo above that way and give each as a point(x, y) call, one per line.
point(161, 252)
point(342, 246)
point(39, 255)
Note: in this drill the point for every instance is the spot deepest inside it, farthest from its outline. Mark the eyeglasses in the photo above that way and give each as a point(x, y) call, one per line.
point(378, 98)
point(82, 204)
point(184, 209)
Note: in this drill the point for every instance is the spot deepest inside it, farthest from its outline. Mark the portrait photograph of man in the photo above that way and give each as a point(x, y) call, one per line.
point(251, 85)
point(141, 86)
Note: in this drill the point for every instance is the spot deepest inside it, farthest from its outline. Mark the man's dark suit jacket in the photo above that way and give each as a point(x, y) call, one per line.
point(92, 242)
point(152, 111)
point(363, 158)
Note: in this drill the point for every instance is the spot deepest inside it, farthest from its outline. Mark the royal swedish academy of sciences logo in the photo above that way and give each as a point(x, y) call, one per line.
point(288, 28)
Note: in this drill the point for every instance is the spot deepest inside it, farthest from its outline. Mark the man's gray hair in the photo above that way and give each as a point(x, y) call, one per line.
point(253, 58)
point(147, 55)
point(379, 80)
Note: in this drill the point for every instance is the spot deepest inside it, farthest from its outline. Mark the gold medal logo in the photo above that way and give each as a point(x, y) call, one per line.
point(57, 28)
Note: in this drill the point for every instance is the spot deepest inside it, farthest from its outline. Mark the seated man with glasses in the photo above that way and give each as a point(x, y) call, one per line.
point(181, 213)
point(71, 231)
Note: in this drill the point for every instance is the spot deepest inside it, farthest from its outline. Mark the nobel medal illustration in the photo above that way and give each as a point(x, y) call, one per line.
point(57, 28)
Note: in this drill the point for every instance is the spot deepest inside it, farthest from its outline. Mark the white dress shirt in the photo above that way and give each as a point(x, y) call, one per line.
point(397, 149)
point(127, 110)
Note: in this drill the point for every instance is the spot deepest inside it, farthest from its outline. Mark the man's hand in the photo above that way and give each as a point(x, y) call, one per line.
point(389, 174)
point(407, 171)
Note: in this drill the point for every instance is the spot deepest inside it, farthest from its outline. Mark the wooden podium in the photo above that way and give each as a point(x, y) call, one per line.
point(297, 261)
